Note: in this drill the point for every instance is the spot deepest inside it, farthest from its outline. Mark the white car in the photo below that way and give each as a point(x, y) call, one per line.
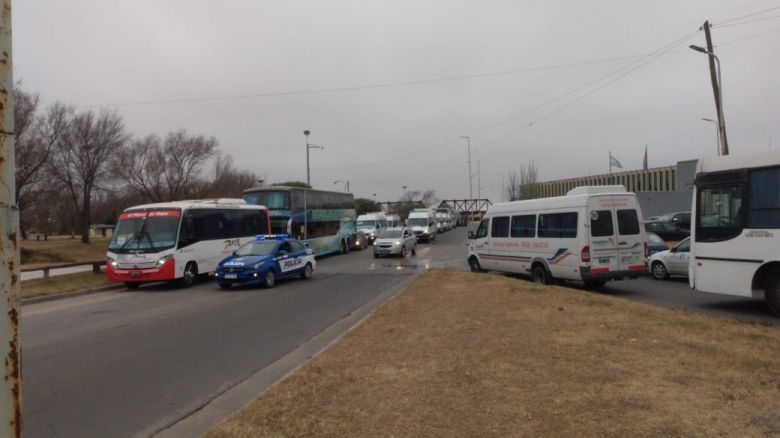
point(671, 262)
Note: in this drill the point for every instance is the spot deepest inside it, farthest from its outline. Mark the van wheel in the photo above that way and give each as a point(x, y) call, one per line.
point(190, 272)
point(772, 291)
point(132, 284)
point(540, 275)
point(659, 271)
point(474, 265)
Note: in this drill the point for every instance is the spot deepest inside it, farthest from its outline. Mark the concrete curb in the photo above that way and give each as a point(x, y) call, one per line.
point(78, 293)
point(227, 403)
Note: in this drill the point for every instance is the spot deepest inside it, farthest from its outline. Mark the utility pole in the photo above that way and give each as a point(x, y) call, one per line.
point(308, 170)
point(11, 398)
point(717, 89)
point(468, 142)
point(479, 181)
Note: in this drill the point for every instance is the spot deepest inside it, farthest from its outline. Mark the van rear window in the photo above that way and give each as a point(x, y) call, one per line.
point(601, 223)
point(628, 222)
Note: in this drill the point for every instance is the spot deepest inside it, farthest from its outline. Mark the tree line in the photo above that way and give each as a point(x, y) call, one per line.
point(79, 167)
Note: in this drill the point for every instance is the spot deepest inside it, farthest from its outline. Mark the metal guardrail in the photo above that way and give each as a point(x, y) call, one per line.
point(96, 265)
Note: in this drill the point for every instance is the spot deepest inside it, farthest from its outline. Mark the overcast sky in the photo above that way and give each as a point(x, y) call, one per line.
point(98, 52)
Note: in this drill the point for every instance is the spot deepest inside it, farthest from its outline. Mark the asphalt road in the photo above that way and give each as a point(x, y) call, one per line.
point(130, 363)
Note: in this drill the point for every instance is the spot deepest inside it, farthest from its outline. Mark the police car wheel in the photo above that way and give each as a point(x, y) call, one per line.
point(269, 280)
point(307, 272)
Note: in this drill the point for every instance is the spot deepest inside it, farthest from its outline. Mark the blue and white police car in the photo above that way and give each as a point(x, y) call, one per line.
point(266, 259)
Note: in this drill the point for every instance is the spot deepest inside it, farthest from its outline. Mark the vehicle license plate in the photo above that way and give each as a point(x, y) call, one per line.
point(231, 276)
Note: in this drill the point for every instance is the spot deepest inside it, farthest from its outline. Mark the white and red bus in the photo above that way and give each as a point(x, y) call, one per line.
point(180, 240)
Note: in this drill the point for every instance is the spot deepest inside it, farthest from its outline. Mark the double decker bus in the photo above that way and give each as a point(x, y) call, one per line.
point(180, 240)
point(324, 220)
point(735, 227)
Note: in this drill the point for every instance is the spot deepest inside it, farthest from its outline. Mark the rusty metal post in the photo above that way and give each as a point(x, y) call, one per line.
point(11, 397)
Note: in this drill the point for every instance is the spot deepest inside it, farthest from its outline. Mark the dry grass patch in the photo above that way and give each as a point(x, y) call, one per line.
point(60, 250)
point(65, 283)
point(462, 354)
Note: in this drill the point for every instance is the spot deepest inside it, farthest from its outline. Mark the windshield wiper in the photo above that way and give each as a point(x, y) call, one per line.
point(134, 237)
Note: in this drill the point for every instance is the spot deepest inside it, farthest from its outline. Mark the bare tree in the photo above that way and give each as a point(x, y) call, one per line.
point(529, 178)
point(512, 188)
point(523, 183)
point(229, 182)
point(81, 158)
point(36, 135)
point(165, 170)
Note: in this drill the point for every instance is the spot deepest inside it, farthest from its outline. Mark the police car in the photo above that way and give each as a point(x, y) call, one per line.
point(264, 260)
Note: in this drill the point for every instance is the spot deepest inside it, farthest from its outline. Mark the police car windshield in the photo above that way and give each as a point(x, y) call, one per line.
point(259, 248)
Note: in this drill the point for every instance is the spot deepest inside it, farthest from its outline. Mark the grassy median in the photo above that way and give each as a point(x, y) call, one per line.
point(61, 249)
point(462, 354)
point(60, 284)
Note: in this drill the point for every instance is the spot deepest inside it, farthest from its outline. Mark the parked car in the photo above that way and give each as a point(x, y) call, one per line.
point(655, 243)
point(671, 262)
point(395, 241)
point(264, 260)
point(668, 231)
point(682, 219)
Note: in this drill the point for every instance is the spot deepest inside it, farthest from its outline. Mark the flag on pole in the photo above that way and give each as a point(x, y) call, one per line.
point(644, 161)
point(613, 162)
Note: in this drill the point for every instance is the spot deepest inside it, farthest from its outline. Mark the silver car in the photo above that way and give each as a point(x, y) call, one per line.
point(395, 241)
point(671, 262)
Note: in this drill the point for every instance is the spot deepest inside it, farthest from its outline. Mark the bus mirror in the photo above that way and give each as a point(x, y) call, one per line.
point(471, 234)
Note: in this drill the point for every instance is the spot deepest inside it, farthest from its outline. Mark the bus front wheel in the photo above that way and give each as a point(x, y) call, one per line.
point(190, 272)
point(772, 291)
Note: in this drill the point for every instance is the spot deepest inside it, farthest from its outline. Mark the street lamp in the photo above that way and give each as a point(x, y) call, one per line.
point(346, 184)
point(404, 187)
point(468, 142)
point(308, 148)
point(724, 150)
point(717, 131)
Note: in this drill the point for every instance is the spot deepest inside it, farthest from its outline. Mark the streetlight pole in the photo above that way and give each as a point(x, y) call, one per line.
point(346, 184)
point(724, 147)
point(717, 132)
point(308, 148)
point(404, 187)
point(479, 182)
point(468, 143)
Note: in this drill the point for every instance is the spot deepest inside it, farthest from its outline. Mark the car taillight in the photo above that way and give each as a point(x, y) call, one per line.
point(585, 254)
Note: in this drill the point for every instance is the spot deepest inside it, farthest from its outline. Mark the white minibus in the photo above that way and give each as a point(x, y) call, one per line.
point(592, 235)
point(735, 227)
point(180, 240)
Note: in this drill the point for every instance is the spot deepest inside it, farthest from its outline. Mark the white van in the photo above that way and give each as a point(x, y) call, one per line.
point(393, 221)
point(423, 222)
point(370, 224)
point(592, 235)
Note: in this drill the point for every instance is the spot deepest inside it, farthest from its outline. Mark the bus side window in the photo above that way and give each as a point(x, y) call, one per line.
point(187, 234)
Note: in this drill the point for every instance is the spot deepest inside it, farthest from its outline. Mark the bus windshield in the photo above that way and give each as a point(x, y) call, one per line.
point(366, 224)
point(145, 231)
point(417, 221)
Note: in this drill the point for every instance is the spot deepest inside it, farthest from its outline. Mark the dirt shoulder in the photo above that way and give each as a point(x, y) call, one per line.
point(61, 250)
point(63, 284)
point(460, 354)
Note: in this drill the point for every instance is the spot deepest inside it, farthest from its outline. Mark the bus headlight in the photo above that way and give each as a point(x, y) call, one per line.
point(164, 259)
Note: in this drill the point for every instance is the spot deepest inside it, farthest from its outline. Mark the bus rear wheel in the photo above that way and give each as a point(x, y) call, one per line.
point(343, 247)
point(772, 291)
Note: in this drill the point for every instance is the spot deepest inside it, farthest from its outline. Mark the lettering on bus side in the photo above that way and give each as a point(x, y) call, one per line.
point(229, 243)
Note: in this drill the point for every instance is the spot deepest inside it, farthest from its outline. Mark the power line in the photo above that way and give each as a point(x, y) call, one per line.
point(752, 14)
point(771, 17)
